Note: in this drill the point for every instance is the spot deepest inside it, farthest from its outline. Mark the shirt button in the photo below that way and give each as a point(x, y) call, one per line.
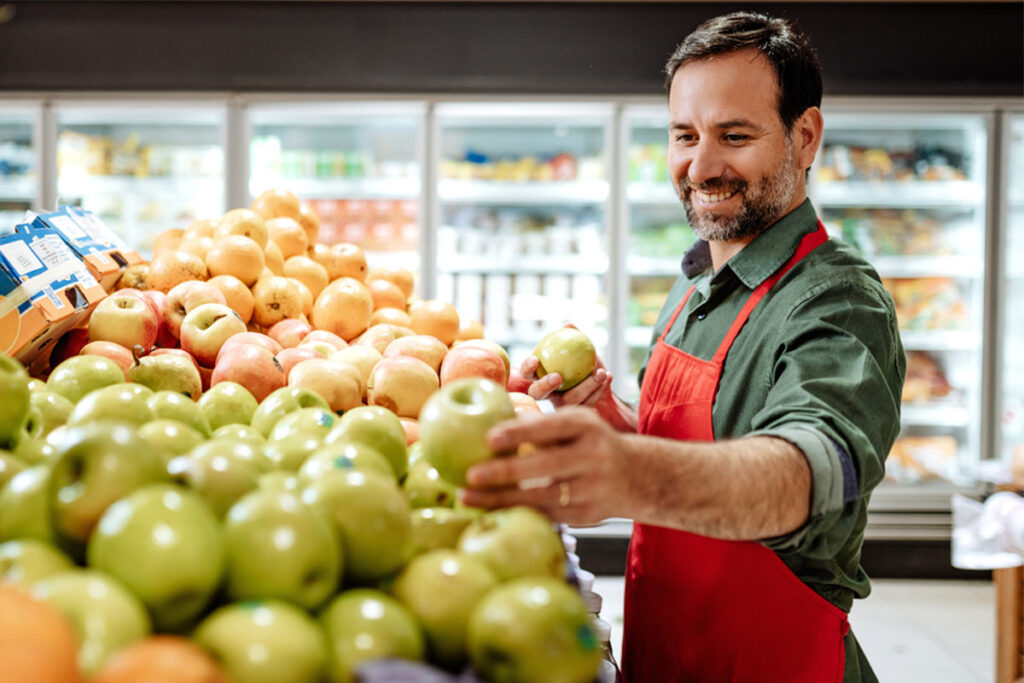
point(701, 316)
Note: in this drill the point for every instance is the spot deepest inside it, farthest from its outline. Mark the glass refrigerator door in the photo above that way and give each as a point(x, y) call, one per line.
point(1011, 374)
point(522, 242)
point(908, 189)
point(142, 168)
point(19, 175)
point(658, 235)
point(356, 164)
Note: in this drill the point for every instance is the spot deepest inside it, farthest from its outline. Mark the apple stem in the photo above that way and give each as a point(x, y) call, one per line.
point(137, 352)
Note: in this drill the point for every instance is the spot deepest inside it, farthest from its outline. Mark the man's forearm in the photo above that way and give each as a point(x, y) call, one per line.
point(741, 489)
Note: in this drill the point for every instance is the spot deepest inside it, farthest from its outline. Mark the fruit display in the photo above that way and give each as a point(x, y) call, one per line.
point(255, 479)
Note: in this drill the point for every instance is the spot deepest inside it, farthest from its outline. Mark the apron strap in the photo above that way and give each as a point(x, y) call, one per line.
point(672, 320)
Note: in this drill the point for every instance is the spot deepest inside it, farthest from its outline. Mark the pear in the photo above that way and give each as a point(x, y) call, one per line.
point(167, 372)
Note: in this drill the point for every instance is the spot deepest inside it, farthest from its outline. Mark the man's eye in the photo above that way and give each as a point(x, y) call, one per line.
point(685, 137)
point(735, 137)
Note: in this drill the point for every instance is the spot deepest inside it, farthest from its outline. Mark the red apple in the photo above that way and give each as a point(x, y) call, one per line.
point(493, 346)
point(205, 329)
point(379, 336)
point(70, 344)
point(412, 430)
point(427, 348)
point(322, 347)
point(252, 366)
point(187, 296)
point(325, 336)
point(402, 384)
point(517, 383)
point(473, 361)
point(257, 338)
point(288, 358)
point(164, 337)
point(289, 332)
point(124, 319)
point(115, 352)
point(339, 384)
point(524, 404)
point(364, 358)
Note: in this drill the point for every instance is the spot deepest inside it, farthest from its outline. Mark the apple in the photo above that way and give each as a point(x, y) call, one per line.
point(269, 343)
point(281, 402)
point(469, 329)
point(166, 546)
point(184, 298)
point(402, 385)
point(291, 357)
point(240, 432)
point(279, 547)
point(37, 642)
point(177, 352)
point(169, 438)
point(76, 377)
point(10, 466)
point(424, 487)
point(371, 517)
point(524, 404)
point(315, 421)
point(325, 336)
point(124, 402)
point(165, 338)
point(234, 448)
point(265, 641)
point(321, 348)
point(216, 476)
point(174, 406)
point(492, 346)
point(568, 352)
point(380, 336)
point(115, 352)
point(205, 329)
point(279, 480)
point(70, 344)
point(160, 659)
point(438, 527)
point(25, 561)
point(227, 403)
point(49, 410)
point(366, 624)
point(473, 361)
point(251, 366)
point(376, 427)
point(337, 383)
point(428, 349)
point(411, 428)
point(357, 456)
point(534, 629)
point(363, 358)
point(290, 452)
point(25, 506)
point(515, 542)
point(97, 464)
point(517, 383)
point(124, 319)
point(289, 332)
point(32, 450)
point(441, 588)
point(105, 615)
point(454, 423)
point(167, 372)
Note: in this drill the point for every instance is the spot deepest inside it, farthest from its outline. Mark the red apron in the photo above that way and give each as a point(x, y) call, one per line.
point(707, 610)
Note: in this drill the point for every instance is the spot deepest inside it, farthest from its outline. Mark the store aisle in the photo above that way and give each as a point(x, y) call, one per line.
point(913, 631)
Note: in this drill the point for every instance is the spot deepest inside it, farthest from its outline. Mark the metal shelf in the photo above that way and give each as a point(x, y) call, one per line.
point(928, 266)
point(942, 415)
point(654, 266)
point(18, 190)
point(535, 265)
point(504, 192)
point(652, 193)
point(940, 340)
point(341, 188)
point(909, 194)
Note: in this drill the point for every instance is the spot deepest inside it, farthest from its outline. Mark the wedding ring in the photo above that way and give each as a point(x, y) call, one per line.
point(564, 494)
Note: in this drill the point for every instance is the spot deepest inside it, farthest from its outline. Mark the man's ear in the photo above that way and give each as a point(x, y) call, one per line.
point(807, 133)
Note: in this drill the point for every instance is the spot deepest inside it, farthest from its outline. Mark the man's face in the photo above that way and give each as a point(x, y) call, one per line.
point(730, 159)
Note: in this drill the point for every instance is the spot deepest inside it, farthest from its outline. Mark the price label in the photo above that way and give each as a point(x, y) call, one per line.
point(21, 258)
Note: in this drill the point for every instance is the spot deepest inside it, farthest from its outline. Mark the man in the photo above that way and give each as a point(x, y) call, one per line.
point(769, 399)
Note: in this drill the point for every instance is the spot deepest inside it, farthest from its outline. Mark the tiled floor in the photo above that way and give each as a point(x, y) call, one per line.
point(912, 631)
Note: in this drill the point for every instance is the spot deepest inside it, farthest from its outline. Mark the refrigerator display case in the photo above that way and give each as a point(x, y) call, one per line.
point(19, 163)
point(522, 216)
point(358, 165)
point(142, 167)
point(1010, 372)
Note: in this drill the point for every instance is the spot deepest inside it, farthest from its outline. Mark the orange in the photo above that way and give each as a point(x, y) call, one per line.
point(274, 258)
point(310, 222)
point(307, 297)
point(400, 276)
point(343, 259)
point(160, 659)
point(167, 240)
point(386, 294)
point(134, 277)
point(308, 272)
point(469, 329)
point(238, 297)
point(174, 267)
point(435, 317)
point(344, 307)
point(287, 234)
point(243, 222)
point(275, 203)
point(201, 228)
point(37, 643)
point(274, 299)
point(196, 245)
point(236, 255)
point(391, 316)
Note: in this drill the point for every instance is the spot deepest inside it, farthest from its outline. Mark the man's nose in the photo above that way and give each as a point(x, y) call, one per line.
point(705, 163)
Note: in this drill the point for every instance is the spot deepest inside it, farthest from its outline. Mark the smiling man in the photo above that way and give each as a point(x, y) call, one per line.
point(769, 399)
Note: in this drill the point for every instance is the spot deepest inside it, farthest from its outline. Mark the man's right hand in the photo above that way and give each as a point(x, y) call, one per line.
point(587, 393)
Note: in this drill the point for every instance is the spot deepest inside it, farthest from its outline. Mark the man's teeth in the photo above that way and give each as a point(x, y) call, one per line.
point(710, 198)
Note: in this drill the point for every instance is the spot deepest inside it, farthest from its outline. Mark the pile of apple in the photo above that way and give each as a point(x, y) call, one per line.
point(251, 477)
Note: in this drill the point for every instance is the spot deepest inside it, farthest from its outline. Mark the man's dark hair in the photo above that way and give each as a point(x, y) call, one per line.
point(786, 47)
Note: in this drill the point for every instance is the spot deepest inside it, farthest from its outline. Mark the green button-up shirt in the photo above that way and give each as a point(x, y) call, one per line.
point(820, 364)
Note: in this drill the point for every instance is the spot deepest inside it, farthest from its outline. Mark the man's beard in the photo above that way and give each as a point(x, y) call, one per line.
point(760, 208)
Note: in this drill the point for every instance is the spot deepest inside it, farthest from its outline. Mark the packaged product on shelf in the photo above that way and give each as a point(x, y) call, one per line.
point(925, 379)
point(922, 458)
point(928, 303)
point(104, 253)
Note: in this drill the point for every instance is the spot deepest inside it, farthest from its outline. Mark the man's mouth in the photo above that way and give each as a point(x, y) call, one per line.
point(710, 199)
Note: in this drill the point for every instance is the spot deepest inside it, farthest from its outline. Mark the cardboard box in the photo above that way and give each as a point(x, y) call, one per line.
point(45, 290)
point(104, 253)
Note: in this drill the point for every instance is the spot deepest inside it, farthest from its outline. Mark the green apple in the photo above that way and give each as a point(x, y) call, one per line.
point(15, 405)
point(215, 475)
point(78, 375)
point(236, 450)
point(281, 402)
point(36, 385)
point(344, 456)
point(52, 410)
point(9, 466)
point(424, 487)
point(169, 438)
point(123, 402)
point(279, 547)
point(314, 421)
point(26, 560)
point(414, 453)
point(165, 544)
point(534, 629)
point(371, 516)
point(168, 372)
point(365, 624)
point(25, 505)
point(290, 452)
point(280, 481)
point(174, 406)
point(228, 403)
point(515, 542)
point(441, 588)
point(105, 615)
point(97, 464)
point(454, 423)
point(568, 352)
point(239, 432)
point(436, 528)
point(32, 450)
point(267, 641)
point(377, 427)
